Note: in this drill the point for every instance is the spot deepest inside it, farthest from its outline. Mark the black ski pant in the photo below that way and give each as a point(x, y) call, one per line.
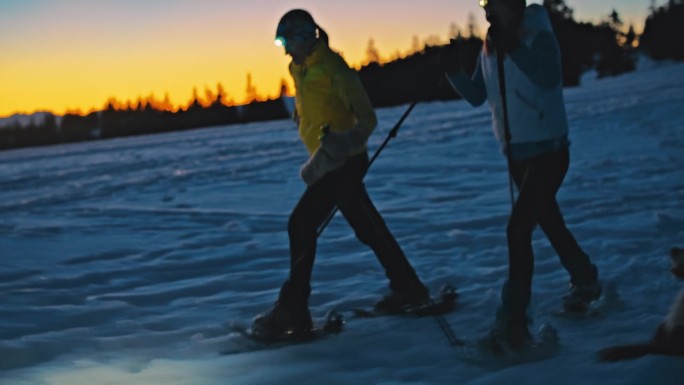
point(343, 188)
point(538, 180)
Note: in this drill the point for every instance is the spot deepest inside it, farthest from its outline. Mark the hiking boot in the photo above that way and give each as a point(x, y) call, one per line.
point(509, 334)
point(398, 302)
point(282, 319)
point(580, 297)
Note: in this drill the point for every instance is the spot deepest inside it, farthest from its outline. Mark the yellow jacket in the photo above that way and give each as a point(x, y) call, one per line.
point(329, 92)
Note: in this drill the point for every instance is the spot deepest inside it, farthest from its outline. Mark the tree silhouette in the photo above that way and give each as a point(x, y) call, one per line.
point(663, 30)
point(472, 26)
point(221, 96)
point(614, 21)
point(584, 45)
point(454, 31)
point(284, 89)
point(250, 91)
point(630, 37)
point(194, 103)
point(559, 8)
point(372, 53)
point(415, 45)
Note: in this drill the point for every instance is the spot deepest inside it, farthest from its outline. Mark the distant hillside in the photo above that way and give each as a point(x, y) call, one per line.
point(24, 120)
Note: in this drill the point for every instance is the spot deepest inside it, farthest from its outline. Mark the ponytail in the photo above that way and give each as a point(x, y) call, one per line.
point(322, 35)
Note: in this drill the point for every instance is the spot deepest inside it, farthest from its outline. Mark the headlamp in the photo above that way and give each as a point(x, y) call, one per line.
point(289, 33)
point(483, 3)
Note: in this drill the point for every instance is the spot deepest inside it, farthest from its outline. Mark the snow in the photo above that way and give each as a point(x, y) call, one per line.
point(124, 261)
point(25, 120)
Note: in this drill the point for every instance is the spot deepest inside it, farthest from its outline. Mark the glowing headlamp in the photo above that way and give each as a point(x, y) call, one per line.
point(291, 33)
point(483, 3)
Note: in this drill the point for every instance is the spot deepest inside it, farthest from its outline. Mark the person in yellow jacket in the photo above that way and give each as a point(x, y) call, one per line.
point(335, 118)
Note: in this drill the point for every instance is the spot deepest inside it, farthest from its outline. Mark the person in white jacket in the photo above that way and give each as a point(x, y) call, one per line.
point(519, 74)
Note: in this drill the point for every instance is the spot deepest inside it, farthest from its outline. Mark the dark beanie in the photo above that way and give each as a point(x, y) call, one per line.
point(517, 5)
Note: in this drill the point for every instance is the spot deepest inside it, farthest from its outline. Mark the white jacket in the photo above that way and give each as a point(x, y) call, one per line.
point(534, 114)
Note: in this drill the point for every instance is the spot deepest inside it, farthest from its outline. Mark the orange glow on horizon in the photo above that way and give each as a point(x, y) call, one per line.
point(65, 90)
point(81, 82)
point(79, 54)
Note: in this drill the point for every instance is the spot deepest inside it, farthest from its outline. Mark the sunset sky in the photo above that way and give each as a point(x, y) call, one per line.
point(75, 54)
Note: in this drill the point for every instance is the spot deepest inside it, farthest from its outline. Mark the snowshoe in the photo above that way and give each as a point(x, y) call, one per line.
point(394, 304)
point(282, 320)
point(251, 341)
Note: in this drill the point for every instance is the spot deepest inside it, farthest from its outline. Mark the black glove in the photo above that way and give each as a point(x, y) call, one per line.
point(503, 40)
point(449, 58)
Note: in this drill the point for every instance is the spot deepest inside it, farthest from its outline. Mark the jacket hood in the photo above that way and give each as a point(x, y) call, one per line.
point(536, 19)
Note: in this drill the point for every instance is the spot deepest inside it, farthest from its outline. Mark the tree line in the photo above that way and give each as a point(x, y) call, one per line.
point(602, 47)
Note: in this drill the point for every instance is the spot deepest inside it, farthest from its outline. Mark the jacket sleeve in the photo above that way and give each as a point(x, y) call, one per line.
point(347, 84)
point(471, 88)
point(541, 63)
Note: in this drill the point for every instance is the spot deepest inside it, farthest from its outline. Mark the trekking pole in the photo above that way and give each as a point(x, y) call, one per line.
point(507, 129)
point(392, 134)
point(443, 324)
point(448, 332)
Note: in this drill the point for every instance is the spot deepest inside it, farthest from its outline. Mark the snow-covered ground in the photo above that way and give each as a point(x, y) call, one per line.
point(24, 120)
point(124, 261)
